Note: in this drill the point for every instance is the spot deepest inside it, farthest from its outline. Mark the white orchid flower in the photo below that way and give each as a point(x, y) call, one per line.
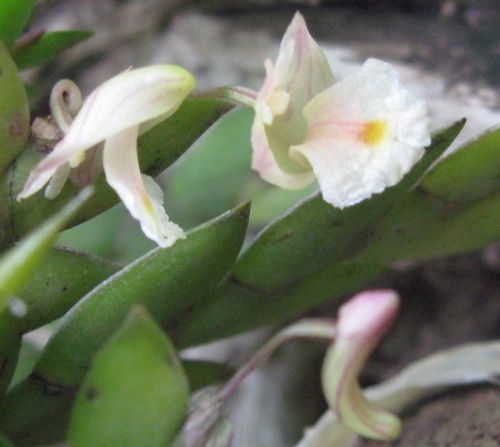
point(115, 113)
point(356, 137)
point(362, 322)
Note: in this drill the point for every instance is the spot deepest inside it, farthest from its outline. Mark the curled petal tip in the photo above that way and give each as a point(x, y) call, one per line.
point(362, 322)
point(370, 312)
point(113, 114)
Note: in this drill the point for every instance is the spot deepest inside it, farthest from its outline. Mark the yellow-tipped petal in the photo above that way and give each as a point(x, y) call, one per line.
point(139, 193)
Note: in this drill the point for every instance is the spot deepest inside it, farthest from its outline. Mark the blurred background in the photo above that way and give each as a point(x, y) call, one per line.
point(447, 52)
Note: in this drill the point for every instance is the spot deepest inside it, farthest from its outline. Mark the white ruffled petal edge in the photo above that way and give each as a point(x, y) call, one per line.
point(348, 168)
point(139, 193)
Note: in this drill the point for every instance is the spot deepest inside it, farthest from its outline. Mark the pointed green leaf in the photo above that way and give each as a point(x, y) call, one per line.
point(237, 308)
point(158, 148)
point(471, 172)
point(14, 112)
point(135, 393)
point(422, 227)
point(15, 267)
point(48, 46)
point(58, 283)
point(20, 261)
point(300, 261)
point(14, 15)
point(166, 281)
point(28, 355)
point(315, 235)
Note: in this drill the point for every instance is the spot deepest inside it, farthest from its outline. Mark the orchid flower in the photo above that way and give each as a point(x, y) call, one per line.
point(356, 136)
point(116, 113)
point(362, 322)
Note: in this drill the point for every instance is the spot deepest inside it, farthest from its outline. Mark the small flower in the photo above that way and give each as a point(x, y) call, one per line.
point(362, 322)
point(357, 136)
point(116, 113)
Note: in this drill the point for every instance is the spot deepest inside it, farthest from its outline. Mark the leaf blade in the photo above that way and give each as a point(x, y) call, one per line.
point(14, 111)
point(135, 393)
point(47, 47)
point(14, 15)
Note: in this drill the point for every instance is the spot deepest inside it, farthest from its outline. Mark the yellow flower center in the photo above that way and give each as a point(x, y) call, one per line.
point(374, 132)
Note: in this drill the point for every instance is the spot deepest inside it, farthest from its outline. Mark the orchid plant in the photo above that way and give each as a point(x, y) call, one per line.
point(109, 371)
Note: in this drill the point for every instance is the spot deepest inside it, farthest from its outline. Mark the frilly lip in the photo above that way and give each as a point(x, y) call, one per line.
point(289, 150)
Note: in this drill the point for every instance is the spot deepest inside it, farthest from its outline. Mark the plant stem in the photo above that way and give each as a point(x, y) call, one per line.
point(310, 328)
point(240, 95)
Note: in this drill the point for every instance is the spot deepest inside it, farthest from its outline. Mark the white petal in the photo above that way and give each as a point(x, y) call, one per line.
point(348, 167)
point(140, 194)
point(57, 181)
point(301, 72)
point(301, 68)
point(264, 163)
point(130, 98)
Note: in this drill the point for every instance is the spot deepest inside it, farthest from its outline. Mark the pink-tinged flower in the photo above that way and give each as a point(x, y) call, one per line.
point(356, 136)
point(362, 322)
point(116, 113)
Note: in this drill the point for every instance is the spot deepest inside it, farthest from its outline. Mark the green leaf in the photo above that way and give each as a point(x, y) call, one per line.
point(19, 262)
point(300, 261)
point(14, 15)
point(14, 111)
point(15, 267)
point(35, 413)
point(237, 308)
point(58, 283)
point(166, 281)
point(28, 356)
point(315, 235)
point(48, 46)
point(470, 173)
point(135, 393)
point(158, 148)
point(213, 176)
point(422, 227)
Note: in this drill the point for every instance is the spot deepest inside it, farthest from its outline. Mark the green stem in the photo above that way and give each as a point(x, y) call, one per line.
point(310, 328)
point(240, 95)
